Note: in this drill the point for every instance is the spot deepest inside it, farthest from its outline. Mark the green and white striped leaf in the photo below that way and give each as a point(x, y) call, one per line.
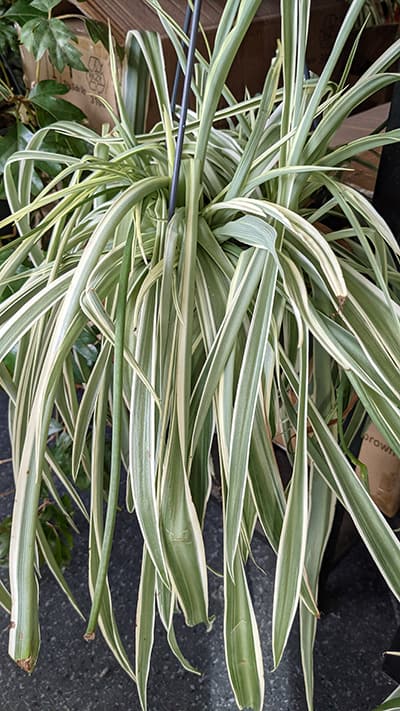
point(292, 544)
point(242, 642)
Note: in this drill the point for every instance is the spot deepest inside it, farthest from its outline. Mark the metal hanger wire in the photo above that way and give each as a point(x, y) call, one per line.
point(178, 71)
point(192, 19)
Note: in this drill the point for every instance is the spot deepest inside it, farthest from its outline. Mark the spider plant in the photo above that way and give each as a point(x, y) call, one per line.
point(269, 300)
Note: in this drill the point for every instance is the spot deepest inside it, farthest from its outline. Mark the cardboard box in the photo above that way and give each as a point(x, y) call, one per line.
point(84, 87)
point(382, 464)
point(383, 471)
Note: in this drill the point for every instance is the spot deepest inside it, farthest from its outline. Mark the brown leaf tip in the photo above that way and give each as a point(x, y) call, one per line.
point(27, 664)
point(89, 636)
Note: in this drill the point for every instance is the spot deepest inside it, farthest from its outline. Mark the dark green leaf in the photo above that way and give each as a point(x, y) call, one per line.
point(7, 36)
point(85, 346)
point(41, 34)
point(97, 31)
point(65, 145)
point(22, 11)
point(5, 531)
point(14, 140)
point(45, 5)
point(48, 87)
point(50, 108)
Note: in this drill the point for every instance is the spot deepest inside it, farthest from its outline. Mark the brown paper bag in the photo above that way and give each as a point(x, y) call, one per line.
point(383, 470)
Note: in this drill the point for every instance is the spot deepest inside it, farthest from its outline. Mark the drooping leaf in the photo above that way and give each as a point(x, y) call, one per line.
point(183, 543)
point(242, 643)
point(166, 603)
point(322, 508)
point(292, 544)
point(248, 390)
point(145, 617)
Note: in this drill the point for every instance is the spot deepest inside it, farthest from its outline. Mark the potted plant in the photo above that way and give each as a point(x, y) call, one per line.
point(267, 298)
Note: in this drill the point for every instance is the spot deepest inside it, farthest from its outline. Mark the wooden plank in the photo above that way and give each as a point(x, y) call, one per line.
point(364, 170)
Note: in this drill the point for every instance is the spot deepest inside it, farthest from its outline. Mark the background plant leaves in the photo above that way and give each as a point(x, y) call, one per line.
point(98, 32)
point(45, 5)
point(50, 107)
point(41, 34)
point(14, 140)
point(22, 11)
point(7, 35)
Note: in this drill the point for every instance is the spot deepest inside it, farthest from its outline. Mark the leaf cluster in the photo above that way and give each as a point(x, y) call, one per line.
point(56, 529)
point(8, 35)
point(22, 110)
point(41, 32)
